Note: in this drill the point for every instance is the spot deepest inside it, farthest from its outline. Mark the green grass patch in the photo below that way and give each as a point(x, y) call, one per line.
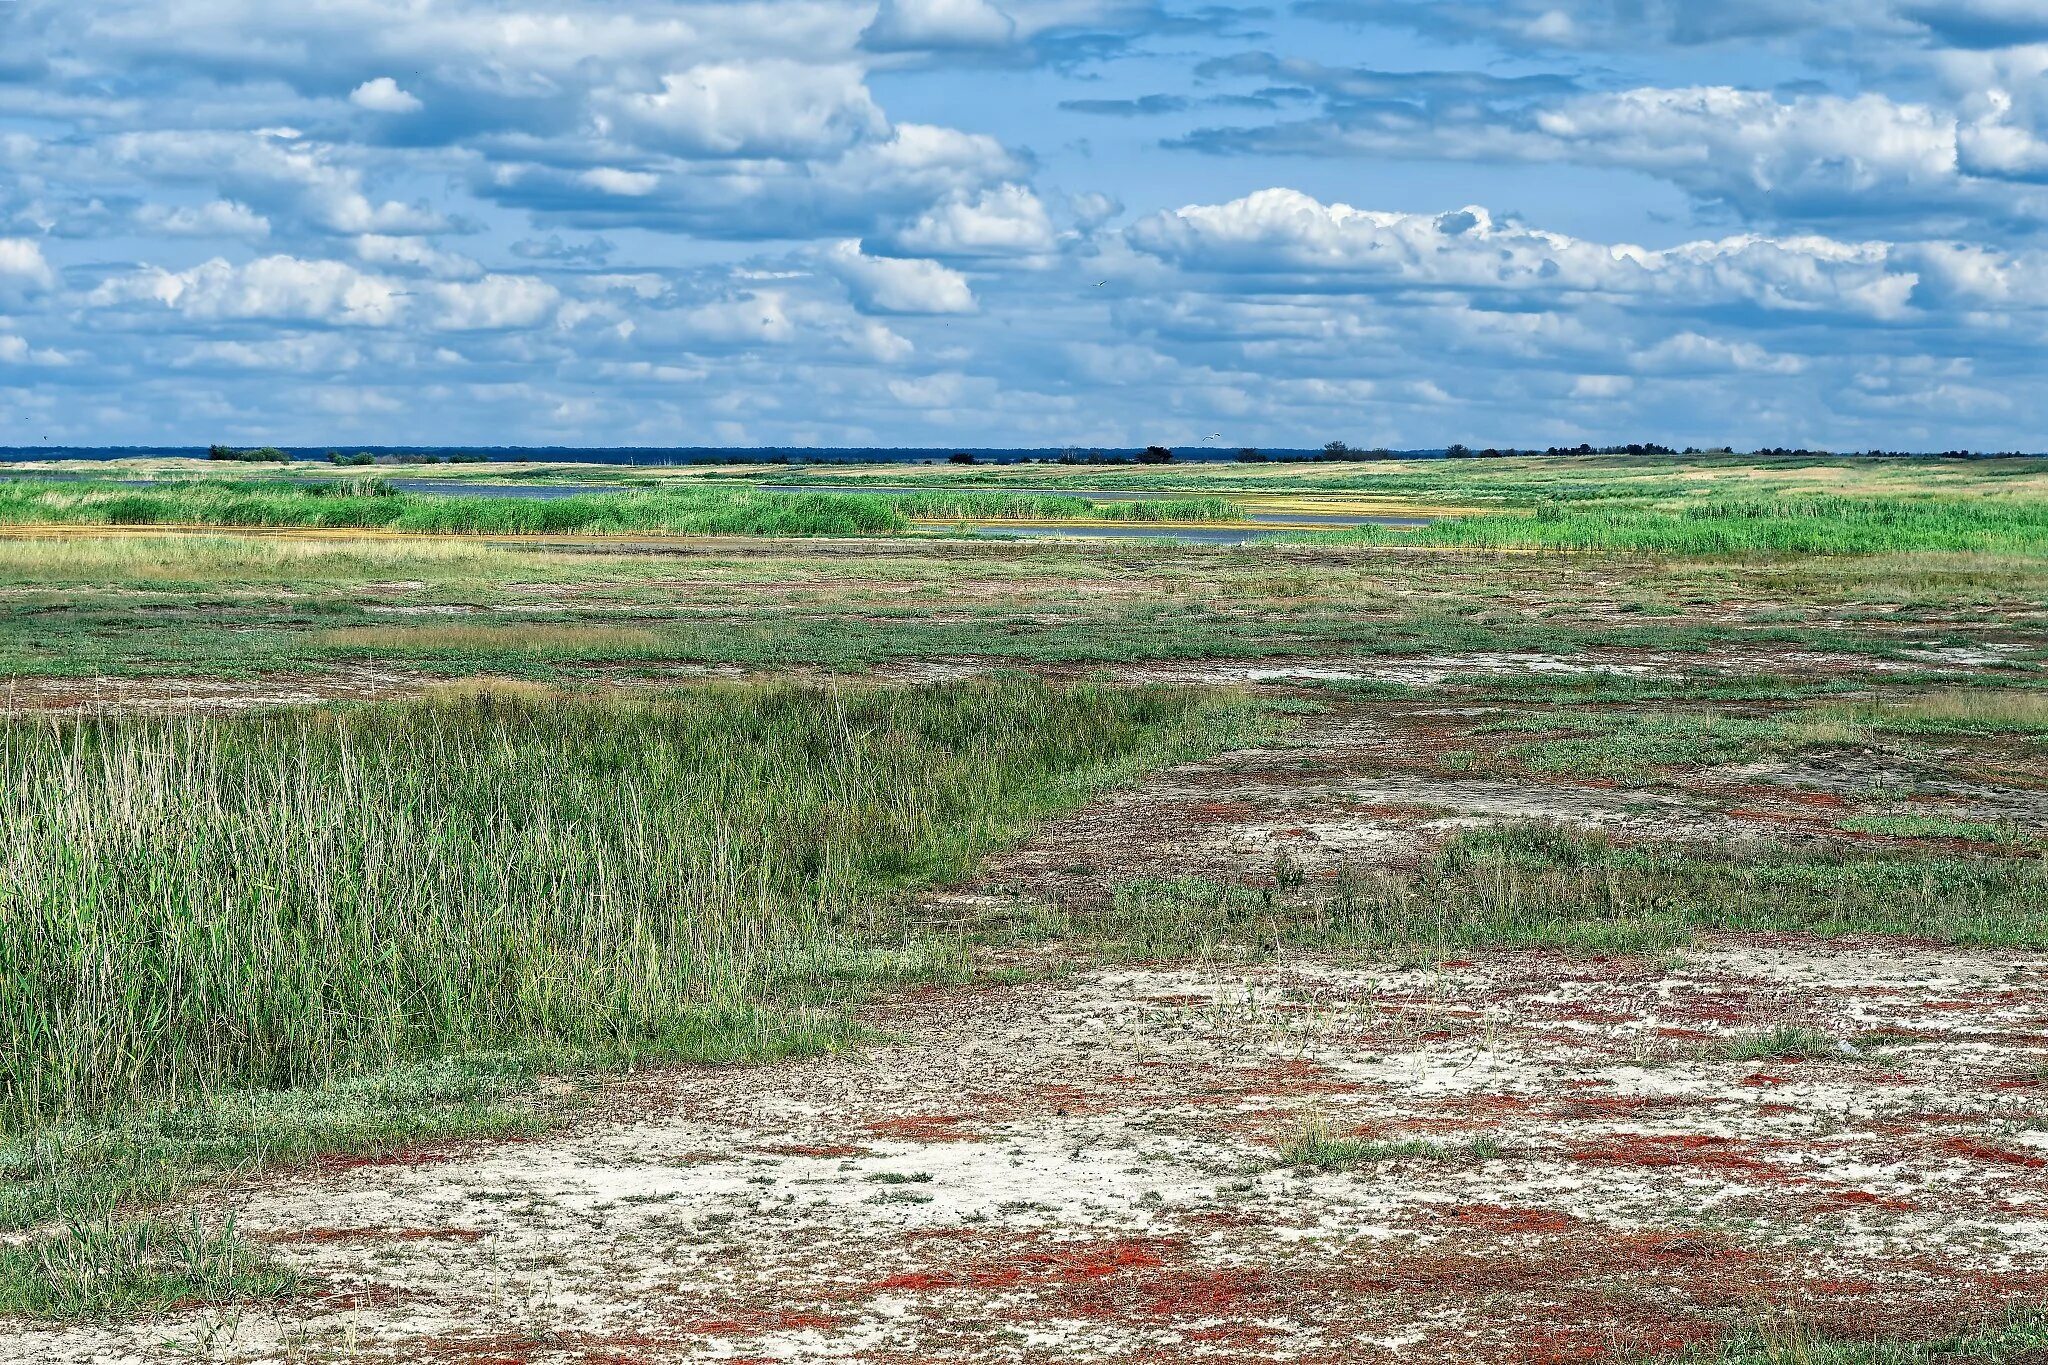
point(1316, 1148)
point(1787, 1043)
point(1933, 827)
point(1636, 744)
point(1723, 526)
point(110, 1268)
point(283, 899)
point(1540, 885)
point(2016, 1343)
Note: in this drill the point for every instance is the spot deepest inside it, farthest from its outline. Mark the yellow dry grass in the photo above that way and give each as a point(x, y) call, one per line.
point(1980, 706)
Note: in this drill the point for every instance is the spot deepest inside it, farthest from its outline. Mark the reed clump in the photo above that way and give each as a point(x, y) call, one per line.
point(279, 899)
point(1750, 526)
point(373, 504)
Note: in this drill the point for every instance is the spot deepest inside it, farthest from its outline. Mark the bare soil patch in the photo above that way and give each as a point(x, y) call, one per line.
point(1094, 1170)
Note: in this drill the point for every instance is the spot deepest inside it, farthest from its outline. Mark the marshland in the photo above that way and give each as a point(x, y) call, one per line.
point(1564, 908)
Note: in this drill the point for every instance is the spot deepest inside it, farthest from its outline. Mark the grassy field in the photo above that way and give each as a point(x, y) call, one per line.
point(525, 839)
point(162, 607)
point(217, 928)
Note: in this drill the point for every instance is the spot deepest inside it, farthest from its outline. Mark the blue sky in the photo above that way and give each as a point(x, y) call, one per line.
point(1025, 222)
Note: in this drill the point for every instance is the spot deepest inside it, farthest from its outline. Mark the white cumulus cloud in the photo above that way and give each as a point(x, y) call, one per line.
point(384, 96)
point(939, 24)
point(885, 284)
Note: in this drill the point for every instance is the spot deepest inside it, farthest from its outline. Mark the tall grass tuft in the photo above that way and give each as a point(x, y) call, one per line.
point(1737, 526)
point(279, 899)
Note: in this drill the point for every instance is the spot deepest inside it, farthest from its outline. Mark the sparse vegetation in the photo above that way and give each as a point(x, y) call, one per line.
point(1787, 1043)
point(115, 1267)
point(1788, 1343)
point(1316, 1148)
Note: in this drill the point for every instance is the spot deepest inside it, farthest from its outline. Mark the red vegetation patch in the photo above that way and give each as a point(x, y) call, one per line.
point(1073, 1263)
point(1713, 1153)
point(1497, 1106)
point(1978, 1151)
point(1583, 1014)
point(1863, 1199)
point(761, 1323)
point(1234, 1334)
point(1287, 1080)
point(922, 1128)
point(1503, 1219)
point(1644, 1247)
point(1199, 1294)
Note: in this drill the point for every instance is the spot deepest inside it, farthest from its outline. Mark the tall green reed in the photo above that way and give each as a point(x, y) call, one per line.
point(275, 899)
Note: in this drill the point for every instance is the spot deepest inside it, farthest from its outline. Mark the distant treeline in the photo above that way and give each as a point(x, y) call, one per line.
point(1461, 452)
point(707, 455)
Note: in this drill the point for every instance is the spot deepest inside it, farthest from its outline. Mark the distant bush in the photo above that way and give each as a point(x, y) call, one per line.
point(1154, 455)
point(468, 457)
point(961, 457)
point(261, 455)
point(1251, 455)
point(361, 457)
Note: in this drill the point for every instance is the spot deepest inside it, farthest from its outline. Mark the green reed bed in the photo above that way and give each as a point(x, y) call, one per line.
point(281, 899)
point(1736, 526)
point(373, 504)
point(973, 506)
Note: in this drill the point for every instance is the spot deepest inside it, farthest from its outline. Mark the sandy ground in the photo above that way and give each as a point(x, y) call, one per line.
point(1091, 1170)
point(196, 695)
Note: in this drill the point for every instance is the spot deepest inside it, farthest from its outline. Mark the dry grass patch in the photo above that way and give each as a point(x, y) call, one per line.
point(1978, 708)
